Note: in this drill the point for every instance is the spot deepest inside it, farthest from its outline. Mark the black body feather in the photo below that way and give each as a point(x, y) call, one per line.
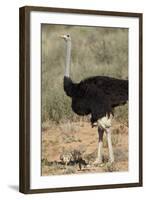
point(96, 95)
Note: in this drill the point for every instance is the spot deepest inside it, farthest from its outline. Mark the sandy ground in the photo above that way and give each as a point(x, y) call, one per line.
point(67, 137)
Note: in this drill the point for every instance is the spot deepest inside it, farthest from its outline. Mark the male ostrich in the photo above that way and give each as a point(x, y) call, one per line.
point(98, 96)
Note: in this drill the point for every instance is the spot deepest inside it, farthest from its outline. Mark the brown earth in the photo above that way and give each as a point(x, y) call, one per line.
point(70, 136)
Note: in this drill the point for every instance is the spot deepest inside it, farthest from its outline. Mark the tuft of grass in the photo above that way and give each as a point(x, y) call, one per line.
point(70, 139)
point(69, 170)
point(121, 114)
point(110, 167)
point(44, 162)
point(69, 127)
point(68, 131)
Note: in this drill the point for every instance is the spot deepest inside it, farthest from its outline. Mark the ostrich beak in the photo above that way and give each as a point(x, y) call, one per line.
point(62, 36)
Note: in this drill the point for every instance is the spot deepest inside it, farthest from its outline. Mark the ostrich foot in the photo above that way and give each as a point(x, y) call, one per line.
point(111, 160)
point(98, 162)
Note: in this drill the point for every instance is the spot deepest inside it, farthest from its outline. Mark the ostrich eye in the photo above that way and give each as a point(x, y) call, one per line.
point(67, 35)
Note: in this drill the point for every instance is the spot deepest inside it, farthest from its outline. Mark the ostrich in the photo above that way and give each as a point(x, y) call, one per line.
point(98, 96)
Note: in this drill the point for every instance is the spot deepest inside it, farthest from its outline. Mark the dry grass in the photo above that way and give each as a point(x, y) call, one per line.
point(95, 51)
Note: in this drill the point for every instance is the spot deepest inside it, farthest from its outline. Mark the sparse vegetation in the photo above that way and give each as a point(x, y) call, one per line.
point(95, 51)
point(110, 167)
point(53, 153)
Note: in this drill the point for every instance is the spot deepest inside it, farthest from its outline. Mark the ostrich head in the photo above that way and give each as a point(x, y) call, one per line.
point(67, 40)
point(66, 37)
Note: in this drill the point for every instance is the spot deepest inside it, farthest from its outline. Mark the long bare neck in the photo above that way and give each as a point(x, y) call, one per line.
point(68, 58)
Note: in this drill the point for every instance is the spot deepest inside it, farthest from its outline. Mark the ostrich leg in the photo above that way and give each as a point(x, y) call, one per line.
point(100, 144)
point(111, 154)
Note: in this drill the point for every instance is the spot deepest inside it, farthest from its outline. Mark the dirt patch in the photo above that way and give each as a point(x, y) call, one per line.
point(65, 138)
